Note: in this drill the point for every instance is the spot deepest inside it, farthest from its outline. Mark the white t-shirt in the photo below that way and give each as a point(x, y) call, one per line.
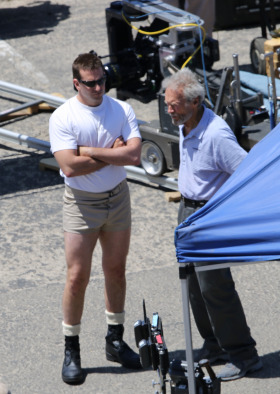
point(75, 124)
point(209, 154)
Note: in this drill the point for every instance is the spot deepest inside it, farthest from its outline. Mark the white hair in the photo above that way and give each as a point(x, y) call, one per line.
point(186, 80)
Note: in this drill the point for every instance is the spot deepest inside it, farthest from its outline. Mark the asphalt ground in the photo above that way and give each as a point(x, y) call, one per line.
point(38, 42)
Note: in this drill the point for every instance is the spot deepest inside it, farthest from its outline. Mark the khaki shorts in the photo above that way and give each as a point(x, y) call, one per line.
point(85, 212)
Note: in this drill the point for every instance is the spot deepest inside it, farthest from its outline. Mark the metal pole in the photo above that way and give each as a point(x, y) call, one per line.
point(270, 55)
point(236, 75)
point(31, 94)
point(21, 139)
point(238, 102)
point(188, 333)
point(20, 107)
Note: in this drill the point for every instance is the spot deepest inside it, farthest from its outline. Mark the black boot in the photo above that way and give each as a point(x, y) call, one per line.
point(118, 351)
point(72, 372)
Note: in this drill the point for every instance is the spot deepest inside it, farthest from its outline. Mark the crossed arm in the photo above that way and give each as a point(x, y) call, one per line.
point(84, 160)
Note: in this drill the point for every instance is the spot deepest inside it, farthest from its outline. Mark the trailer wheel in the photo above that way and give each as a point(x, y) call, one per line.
point(152, 159)
point(256, 49)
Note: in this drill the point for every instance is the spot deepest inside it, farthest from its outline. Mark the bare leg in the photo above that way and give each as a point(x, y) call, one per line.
point(78, 251)
point(115, 247)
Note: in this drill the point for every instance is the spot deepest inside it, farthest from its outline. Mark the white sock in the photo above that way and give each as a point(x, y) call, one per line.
point(114, 318)
point(71, 331)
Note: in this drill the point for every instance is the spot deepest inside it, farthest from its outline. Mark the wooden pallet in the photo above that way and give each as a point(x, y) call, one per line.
point(32, 109)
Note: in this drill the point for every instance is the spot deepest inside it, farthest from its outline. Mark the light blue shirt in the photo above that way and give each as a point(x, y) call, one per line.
point(209, 154)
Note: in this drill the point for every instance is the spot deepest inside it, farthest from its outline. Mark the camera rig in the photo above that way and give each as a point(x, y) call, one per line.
point(139, 62)
point(153, 352)
point(141, 57)
point(167, 40)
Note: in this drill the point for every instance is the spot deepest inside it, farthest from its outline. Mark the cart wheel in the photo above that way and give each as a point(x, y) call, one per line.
point(256, 49)
point(152, 159)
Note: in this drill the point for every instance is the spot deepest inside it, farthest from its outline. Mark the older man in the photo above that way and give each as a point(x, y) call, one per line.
point(209, 154)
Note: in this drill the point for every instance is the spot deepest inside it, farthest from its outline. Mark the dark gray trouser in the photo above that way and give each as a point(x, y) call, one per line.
point(217, 309)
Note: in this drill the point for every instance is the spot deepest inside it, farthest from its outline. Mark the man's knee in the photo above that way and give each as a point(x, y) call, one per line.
point(116, 271)
point(77, 281)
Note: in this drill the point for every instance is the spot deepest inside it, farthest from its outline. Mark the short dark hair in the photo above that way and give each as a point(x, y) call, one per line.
point(86, 61)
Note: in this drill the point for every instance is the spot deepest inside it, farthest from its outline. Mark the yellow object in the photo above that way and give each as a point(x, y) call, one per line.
point(169, 28)
point(272, 46)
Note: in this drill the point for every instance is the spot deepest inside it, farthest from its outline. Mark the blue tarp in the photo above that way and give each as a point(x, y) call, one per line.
point(241, 222)
point(253, 83)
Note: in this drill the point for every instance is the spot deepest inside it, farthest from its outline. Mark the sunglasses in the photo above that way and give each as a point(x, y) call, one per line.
point(92, 84)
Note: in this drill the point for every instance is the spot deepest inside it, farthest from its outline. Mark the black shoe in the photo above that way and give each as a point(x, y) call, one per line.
point(118, 351)
point(214, 356)
point(72, 372)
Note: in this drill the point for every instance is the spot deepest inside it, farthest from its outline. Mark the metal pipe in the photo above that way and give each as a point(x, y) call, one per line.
point(211, 267)
point(251, 99)
point(31, 94)
point(188, 334)
point(133, 172)
point(20, 107)
point(269, 55)
point(236, 76)
point(24, 140)
point(139, 174)
point(238, 101)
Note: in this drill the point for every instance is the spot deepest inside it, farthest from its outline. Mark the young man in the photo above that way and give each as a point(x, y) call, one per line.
point(209, 154)
point(92, 137)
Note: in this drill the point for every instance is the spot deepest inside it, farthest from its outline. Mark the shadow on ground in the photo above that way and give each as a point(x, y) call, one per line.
point(270, 361)
point(22, 173)
point(37, 18)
